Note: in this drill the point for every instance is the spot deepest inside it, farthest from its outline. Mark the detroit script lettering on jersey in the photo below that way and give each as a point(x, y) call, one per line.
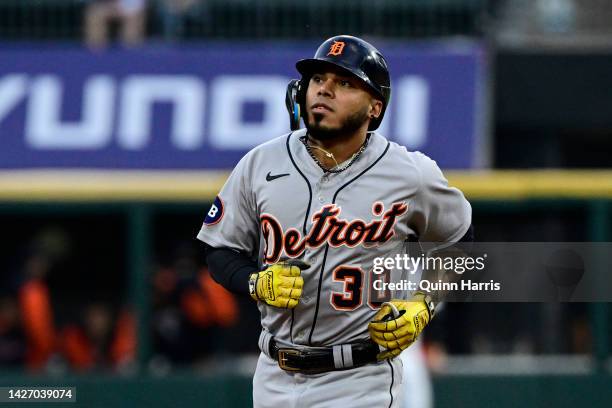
point(329, 227)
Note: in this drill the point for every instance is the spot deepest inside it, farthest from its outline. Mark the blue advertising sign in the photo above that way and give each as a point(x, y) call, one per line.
point(205, 106)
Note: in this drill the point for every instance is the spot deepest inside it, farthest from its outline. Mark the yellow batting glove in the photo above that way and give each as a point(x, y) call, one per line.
point(280, 285)
point(398, 323)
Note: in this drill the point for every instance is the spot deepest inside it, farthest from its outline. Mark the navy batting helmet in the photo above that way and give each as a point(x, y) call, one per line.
point(351, 54)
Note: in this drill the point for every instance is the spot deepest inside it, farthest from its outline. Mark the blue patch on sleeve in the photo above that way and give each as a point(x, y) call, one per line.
point(215, 213)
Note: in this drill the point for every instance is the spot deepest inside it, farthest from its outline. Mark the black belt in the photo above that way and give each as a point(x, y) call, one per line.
point(315, 361)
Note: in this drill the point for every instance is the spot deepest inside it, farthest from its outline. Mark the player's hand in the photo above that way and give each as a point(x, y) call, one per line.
point(398, 323)
point(280, 285)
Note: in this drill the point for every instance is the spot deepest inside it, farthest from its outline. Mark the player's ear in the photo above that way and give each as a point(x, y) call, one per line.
point(375, 108)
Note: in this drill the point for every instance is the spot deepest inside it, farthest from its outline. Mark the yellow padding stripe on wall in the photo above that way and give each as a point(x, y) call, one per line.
point(524, 184)
point(93, 185)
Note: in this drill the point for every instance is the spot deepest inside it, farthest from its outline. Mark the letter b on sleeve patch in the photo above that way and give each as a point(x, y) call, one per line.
point(215, 213)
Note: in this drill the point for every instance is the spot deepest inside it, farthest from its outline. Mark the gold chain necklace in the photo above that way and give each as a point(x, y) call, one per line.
point(336, 169)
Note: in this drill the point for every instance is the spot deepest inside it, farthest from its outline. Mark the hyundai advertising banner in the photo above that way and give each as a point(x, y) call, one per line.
point(205, 106)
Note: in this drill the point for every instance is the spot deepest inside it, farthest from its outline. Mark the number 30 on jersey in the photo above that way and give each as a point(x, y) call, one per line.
point(351, 296)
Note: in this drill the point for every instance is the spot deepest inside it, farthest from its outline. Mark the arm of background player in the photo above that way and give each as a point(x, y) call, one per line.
point(230, 268)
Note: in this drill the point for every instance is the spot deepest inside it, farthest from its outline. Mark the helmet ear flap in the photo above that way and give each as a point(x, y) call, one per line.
point(301, 96)
point(295, 99)
point(292, 103)
point(301, 91)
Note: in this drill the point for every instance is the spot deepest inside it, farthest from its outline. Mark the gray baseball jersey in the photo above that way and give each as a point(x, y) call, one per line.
point(278, 204)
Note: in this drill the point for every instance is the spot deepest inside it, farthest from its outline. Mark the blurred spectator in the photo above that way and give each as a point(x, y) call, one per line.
point(47, 249)
point(93, 343)
point(190, 309)
point(173, 15)
point(12, 344)
point(36, 311)
point(129, 15)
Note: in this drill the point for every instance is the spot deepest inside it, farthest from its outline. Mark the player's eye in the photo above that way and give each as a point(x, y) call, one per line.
point(345, 83)
point(316, 78)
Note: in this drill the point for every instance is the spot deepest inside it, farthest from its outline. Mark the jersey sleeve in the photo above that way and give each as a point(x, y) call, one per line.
point(231, 221)
point(440, 213)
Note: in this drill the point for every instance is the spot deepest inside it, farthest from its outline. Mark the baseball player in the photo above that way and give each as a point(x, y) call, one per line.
point(300, 221)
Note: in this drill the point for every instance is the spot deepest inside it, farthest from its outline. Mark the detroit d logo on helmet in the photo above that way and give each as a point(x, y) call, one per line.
point(336, 48)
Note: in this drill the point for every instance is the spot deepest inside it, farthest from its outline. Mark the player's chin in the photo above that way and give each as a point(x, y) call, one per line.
point(322, 132)
point(323, 123)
